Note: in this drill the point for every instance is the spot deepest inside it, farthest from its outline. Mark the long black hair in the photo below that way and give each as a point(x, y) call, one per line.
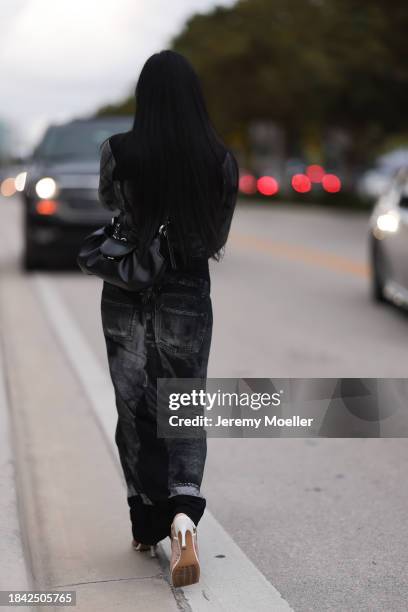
point(176, 155)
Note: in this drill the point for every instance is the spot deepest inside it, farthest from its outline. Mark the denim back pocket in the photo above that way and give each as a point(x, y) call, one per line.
point(117, 319)
point(180, 322)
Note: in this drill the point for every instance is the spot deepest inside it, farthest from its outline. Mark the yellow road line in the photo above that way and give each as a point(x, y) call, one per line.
point(303, 254)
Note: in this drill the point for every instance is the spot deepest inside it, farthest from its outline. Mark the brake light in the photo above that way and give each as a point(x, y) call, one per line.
point(268, 185)
point(331, 183)
point(301, 183)
point(46, 207)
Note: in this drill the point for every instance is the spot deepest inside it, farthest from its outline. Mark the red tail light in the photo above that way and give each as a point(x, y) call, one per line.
point(301, 183)
point(46, 207)
point(267, 185)
point(331, 183)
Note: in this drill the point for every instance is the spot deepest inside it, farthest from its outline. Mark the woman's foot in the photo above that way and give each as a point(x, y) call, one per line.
point(184, 564)
point(144, 547)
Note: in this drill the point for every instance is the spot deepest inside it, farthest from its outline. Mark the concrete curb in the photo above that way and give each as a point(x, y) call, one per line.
point(14, 574)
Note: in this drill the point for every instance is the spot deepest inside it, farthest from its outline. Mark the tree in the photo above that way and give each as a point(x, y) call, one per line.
point(306, 64)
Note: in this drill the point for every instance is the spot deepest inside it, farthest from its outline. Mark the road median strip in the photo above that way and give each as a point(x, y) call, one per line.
point(73, 501)
point(230, 581)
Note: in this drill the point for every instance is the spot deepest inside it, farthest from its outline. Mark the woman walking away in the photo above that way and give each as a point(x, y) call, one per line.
point(170, 165)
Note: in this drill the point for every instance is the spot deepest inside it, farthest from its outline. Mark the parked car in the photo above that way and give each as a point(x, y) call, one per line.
point(389, 242)
point(61, 190)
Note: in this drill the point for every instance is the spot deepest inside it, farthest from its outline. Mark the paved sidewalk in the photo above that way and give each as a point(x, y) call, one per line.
point(72, 495)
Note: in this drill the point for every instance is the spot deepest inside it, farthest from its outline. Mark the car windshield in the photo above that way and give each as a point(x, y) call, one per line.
point(80, 139)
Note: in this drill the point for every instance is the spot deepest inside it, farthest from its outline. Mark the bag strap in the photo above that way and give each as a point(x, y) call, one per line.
point(164, 229)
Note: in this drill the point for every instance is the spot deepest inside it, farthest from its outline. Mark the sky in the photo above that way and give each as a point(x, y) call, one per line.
point(64, 58)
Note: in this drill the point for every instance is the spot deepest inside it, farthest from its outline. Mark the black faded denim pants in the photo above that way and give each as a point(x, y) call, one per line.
point(161, 333)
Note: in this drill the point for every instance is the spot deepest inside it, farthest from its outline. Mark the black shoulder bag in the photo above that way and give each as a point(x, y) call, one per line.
point(112, 254)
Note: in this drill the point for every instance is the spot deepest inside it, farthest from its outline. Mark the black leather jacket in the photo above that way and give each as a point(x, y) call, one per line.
point(113, 190)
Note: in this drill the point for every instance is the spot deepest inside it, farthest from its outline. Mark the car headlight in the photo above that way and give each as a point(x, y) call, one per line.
point(20, 181)
point(46, 188)
point(388, 222)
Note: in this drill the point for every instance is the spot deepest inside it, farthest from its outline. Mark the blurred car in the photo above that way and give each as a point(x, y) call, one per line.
point(61, 190)
point(389, 242)
point(375, 181)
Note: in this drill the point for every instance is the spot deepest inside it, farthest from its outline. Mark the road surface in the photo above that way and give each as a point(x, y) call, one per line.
point(302, 524)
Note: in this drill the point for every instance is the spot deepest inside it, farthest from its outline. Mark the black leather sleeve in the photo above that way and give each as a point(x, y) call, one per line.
point(109, 191)
point(230, 192)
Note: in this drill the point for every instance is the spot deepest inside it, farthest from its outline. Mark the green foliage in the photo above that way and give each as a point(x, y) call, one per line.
point(307, 64)
point(127, 107)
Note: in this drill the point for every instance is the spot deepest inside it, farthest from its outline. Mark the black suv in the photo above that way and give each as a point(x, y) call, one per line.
point(61, 191)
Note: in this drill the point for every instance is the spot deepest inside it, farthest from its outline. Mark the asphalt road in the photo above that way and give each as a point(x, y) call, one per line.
point(324, 520)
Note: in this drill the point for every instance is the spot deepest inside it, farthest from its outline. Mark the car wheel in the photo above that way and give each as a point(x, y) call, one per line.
point(31, 261)
point(378, 273)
